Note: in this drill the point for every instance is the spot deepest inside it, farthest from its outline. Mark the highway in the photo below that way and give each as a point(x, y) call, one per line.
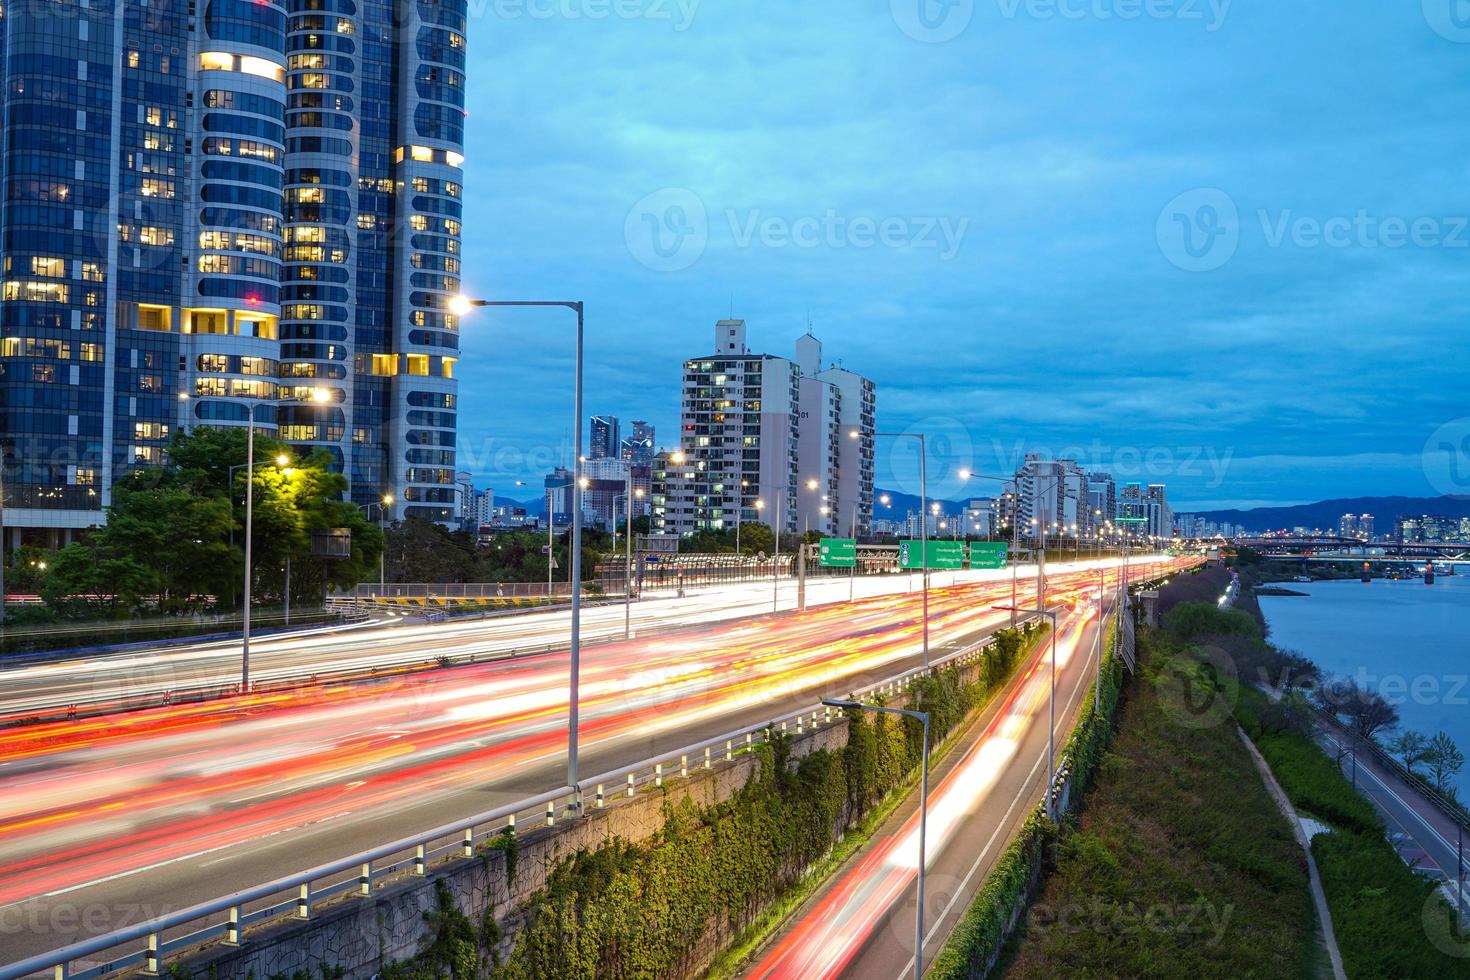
point(107, 821)
point(860, 924)
point(125, 678)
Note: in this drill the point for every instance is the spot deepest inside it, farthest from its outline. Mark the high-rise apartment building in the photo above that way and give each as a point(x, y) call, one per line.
point(638, 446)
point(605, 443)
point(763, 438)
point(1052, 497)
point(222, 211)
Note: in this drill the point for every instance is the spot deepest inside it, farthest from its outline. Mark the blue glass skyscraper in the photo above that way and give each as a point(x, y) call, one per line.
point(222, 210)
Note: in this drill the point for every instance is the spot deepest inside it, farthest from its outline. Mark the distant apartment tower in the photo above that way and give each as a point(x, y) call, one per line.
point(1052, 498)
point(1161, 517)
point(244, 210)
point(1102, 497)
point(1347, 525)
point(763, 440)
point(638, 446)
point(605, 442)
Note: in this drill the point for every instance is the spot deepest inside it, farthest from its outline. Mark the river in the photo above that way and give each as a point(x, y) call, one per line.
point(1404, 639)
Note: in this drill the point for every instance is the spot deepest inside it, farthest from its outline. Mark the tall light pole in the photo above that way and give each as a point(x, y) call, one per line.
point(627, 498)
point(382, 506)
point(923, 816)
point(459, 306)
point(739, 514)
point(1051, 729)
point(317, 395)
point(923, 516)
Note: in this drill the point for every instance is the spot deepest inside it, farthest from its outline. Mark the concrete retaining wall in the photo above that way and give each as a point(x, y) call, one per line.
point(362, 935)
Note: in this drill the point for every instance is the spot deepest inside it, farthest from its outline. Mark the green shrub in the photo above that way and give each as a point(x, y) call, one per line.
point(1378, 907)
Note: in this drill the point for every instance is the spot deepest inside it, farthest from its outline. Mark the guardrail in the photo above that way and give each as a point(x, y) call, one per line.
point(296, 895)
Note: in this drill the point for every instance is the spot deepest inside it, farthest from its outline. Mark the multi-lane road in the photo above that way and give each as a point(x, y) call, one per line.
point(861, 923)
point(131, 677)
point(108, 820)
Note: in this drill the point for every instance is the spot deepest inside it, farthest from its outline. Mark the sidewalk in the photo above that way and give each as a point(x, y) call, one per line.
point(1425, 836)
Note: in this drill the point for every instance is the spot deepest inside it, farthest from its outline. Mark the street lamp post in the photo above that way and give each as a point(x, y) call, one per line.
point(627, 498)
point(382, 506)
point(461, 305)
point(923, 517)
point(923, 717)
point(249, 528)
point(1051, 730)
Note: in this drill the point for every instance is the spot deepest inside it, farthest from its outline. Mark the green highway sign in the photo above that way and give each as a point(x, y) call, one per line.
point(947, 555)
point(989, 554)
point(943, 555)
point(838, 552)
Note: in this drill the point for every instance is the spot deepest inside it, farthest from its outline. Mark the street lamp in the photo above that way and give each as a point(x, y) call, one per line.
point(627, 498)
point(923, 517)
point(1051, 731)
point(249, 529)
point(923, 815)
point(460, 306)
point(382, 506)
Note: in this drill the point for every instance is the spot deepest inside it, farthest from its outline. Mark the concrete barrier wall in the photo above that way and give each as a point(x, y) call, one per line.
point(362, 935)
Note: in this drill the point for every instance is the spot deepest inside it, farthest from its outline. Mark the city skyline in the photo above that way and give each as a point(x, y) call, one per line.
point(1061, 241)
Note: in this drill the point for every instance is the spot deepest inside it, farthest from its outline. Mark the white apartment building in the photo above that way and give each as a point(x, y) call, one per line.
point(764, 439)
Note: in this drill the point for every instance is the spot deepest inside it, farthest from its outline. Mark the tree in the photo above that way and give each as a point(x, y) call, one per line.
point(175, 535)
point(756, 539)
point(1445, 760)
point(1367, 712)
point(1410, 747)
point(422, 551)
point(82, 582)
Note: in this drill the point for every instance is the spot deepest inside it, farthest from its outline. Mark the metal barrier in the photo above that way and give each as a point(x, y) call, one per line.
point(296, 895)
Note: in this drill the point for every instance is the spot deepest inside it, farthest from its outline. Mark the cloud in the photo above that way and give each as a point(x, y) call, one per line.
point(1058, 320)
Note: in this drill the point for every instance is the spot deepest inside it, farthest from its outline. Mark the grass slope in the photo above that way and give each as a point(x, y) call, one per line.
point(1181, 865)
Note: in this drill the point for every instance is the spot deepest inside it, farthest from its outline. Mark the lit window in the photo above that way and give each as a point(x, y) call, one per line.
point(216, 61)
point(418, 364)
point(155, 318)
point(55, 268)
point(262, 68)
